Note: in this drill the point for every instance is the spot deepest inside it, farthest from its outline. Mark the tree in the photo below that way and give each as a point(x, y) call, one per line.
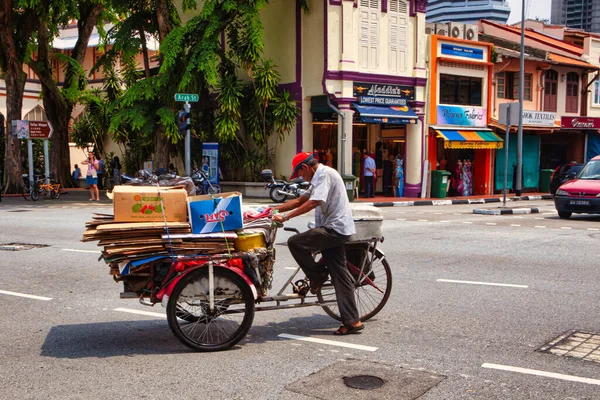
point(17, 24)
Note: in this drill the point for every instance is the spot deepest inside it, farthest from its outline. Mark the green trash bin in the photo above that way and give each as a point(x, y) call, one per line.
point(350, 182)
point(439, 184)
point(545, 175)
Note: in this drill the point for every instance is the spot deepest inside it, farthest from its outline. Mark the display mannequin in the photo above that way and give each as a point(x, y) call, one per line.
point(399, 181)
point(457, 178)
point(329, 158)
point(469, 178)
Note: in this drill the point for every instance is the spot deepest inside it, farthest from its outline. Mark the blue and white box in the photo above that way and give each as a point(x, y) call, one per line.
point(216, 213)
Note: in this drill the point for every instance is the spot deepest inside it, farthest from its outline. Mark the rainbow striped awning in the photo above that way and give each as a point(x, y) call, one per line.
point(480, 139)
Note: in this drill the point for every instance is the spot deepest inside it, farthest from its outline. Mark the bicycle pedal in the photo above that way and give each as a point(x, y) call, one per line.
point(301, 287)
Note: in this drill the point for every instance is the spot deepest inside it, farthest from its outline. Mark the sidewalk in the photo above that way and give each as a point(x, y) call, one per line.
point(377, 201)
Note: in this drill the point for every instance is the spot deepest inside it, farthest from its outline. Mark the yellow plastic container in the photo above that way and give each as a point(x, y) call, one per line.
point(249, 242)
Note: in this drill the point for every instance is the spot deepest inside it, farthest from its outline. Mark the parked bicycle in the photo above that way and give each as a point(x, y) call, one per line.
point(49, 189)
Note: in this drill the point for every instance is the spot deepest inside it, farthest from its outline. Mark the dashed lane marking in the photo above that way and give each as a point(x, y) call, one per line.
point(328, 342)
point(467, 222)
point(421, 220)
point(82, 251)
point(29, 296)
point(515, 225)
point(593, 229)
point(565, 227)
point(444, 222)
point(490, 223)
point(571, 378)
point(539, 226)
point(147, 313)
point(483, 283)
point(400, 219)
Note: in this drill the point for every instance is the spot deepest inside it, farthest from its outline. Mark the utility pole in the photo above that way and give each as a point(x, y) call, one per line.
point(519, 174)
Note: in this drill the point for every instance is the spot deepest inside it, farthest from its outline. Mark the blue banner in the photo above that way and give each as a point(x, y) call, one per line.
point(462, 51)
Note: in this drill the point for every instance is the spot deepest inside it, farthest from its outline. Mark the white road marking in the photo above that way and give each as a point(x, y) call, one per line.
point(329, 342)
point(444, 221)
point(400, 219)
point(518, 217)
point(565, 227)
point(483, 283)
point(515, 225)
point(593, 229)
point(490, 223)
point(540, 226)
point(546, 374)
point(294, 268)
point(29, 296)
point(539, 218)
point(147, 313)
point(83, 251)
point(421, 220)
point(467, 222)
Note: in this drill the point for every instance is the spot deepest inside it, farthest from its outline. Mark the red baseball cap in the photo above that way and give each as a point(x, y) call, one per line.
point(297, 162)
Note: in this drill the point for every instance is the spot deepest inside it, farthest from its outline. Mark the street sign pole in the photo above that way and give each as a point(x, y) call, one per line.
point(506, 140)
point(519, 174)
point(46, 161)
point(30, 155)
point(186, 108)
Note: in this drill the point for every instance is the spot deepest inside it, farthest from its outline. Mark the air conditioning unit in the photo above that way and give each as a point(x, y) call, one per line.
point(456, 30)
point(441, 29)
point(429, 28)
point(471, 32)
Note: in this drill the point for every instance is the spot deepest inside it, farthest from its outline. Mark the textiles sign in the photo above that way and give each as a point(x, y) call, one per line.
point(462, 115)
point(385, 95)
point(580, 123)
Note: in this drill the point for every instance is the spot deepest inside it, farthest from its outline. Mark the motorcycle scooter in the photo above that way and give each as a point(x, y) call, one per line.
point(281, 190)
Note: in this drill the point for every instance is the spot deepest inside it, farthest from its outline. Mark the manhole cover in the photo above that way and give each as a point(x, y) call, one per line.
point(20, 246)
point(576, 344)
point(364, 382)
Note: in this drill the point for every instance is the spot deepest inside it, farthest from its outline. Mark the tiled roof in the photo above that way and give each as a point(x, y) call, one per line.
point(557, 58)
point(539, 37)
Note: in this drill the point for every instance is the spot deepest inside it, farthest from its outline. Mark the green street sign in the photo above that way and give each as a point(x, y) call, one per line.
point(191, 98)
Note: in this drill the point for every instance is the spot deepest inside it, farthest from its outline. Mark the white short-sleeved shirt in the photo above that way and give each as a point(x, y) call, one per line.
point(334, 211)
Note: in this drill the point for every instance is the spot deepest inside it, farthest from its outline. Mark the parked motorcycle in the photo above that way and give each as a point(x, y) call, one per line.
point(203, 185)
point(281, 190)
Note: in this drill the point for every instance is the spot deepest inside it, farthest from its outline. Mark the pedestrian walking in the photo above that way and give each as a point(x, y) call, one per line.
point(333, 226)
point(116, 170)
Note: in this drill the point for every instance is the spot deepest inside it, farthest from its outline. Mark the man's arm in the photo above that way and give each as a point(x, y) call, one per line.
point(299, 206)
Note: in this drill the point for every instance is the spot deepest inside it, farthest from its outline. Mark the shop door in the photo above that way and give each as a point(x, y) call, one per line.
point(481, 171)
point(550, 90)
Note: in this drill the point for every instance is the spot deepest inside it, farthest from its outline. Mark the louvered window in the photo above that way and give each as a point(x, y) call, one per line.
point(398, 17)
point(370, 13)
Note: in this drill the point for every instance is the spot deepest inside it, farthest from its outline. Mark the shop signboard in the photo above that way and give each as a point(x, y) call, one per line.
point(381, 101)
point(539, 118)
point(580, 123)
point(24, 129)
point(462, 116)
point(365, 90)
point(450, 49)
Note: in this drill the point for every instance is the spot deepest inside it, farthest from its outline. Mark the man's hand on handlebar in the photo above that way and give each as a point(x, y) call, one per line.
point(279, 218)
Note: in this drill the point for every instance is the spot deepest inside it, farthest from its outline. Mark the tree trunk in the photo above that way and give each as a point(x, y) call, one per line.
point(164, 21)
point(59, 115)
point(145, 53)
point(15, 86)
point(161, 149)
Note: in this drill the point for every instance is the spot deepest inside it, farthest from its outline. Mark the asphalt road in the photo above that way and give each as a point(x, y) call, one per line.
point(474, 297)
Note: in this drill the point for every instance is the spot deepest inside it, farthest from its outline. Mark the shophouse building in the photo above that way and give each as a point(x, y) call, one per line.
point(459, 104)
point(557, 79)
point(357, 68)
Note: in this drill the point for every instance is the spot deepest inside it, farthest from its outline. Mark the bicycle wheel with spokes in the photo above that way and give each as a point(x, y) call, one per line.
point(55, 193)
point(35, 193)
point(372, 287)
point(199, 328)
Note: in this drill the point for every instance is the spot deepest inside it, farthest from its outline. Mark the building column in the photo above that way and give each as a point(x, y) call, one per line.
point(412, 165)
point(345, 146)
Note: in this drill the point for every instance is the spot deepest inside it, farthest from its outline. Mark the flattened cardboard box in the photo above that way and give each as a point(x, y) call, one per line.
point(143, 204)
point(224, 212)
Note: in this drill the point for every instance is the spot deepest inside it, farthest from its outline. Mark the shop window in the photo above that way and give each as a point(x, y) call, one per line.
point(507, 86)
point(398, 17)
point(370, 12)
point(572, 92)
point(596, 98)
point(550, 90)
point(461, 90)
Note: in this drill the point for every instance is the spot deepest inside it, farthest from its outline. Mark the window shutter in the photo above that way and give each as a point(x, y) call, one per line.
point(398, 21)
point(369, 33)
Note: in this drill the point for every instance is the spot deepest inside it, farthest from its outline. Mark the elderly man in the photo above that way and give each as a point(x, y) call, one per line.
point(334, 225)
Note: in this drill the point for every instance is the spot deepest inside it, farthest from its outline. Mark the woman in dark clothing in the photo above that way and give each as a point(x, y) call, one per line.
point(116, 168)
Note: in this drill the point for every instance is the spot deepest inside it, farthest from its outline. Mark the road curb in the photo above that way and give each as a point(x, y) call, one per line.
point(507, 211)
point(448, 202)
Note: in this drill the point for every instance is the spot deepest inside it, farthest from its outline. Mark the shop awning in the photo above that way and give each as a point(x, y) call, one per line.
point(393, 115)
point(476, 139)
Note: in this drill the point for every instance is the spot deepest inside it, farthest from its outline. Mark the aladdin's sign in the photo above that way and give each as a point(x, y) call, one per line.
point(580, 123)
point(361, 89)
point(461, 115)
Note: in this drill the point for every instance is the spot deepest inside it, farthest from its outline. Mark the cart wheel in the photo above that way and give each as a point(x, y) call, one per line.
point(370, 294)
point(191, 320)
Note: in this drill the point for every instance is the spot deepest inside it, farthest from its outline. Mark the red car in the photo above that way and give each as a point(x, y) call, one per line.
point(582, 194)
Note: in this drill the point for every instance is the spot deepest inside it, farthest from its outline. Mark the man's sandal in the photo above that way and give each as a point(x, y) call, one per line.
point(348, 330)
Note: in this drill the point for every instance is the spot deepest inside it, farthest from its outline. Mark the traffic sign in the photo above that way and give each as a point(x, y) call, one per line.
point(40, 130)
point(24, 129)
point(191, 98)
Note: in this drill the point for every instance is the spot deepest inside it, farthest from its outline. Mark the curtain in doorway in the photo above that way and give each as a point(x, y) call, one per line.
point(531, 163)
